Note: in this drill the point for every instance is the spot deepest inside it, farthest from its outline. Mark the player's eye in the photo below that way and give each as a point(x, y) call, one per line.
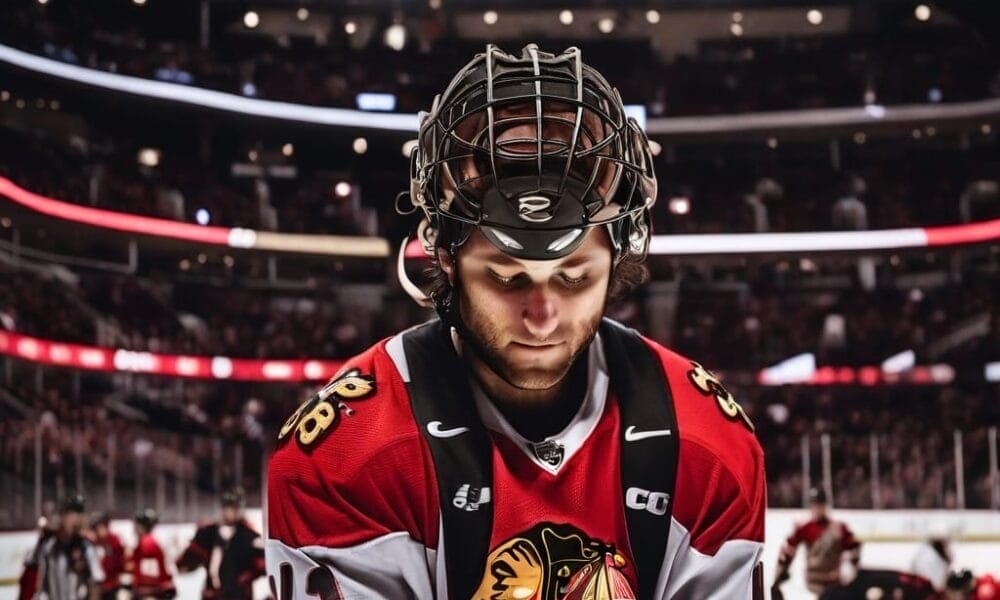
point(573, 282)
point(505, 281)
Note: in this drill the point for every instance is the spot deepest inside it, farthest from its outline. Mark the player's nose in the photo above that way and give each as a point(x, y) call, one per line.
point(540, 312)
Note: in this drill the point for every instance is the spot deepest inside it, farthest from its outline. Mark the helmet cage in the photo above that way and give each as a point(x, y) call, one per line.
point(535, 150)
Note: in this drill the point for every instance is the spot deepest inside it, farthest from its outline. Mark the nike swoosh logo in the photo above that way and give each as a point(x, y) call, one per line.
point(434, 428)
point(631, 435)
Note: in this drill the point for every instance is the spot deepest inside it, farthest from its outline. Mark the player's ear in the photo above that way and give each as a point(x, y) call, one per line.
point(447, 264)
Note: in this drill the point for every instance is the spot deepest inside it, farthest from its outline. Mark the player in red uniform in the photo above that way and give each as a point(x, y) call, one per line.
point(111, 552)
point(521, 446)
point(150, 578)
point(829, 544)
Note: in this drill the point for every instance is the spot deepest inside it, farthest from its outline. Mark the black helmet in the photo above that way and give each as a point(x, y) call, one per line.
point(73, 503)
point(147, 518)
point(233, 497)
point(533, 150)
point(817, 496)
point(100, 518)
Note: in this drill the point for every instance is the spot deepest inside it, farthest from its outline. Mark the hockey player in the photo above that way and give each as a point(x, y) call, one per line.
point(520, 446)
point(831, 550)
point(111, 552)
point(68, 567)
point(231, 551)
point(150, 578)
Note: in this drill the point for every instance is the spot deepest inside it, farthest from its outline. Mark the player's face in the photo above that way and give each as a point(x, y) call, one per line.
point(530, 319)
point(231, 514)
point(71, 521)
point(818, 510)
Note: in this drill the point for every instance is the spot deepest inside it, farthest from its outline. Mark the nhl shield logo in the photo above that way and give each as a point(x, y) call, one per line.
point(550, 452)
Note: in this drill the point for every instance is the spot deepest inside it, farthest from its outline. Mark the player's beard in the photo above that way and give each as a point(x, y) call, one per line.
point(489, 342)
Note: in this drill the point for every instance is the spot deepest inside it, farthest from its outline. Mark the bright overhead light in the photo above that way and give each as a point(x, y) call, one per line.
point(566, 17)
point(251, 19)
point(202, 217)
point(302, 14)
point(736, 29)
point(343, 189)
point(737, 17)
point(139, 2)
point(815, 17)
point(395, 36)
point(350, 28)
point(679, 205)
point(288, 149)
point(653, 16)
point(360, 145)
point(606, 25)
point(922, 12)
point(43, 2)
point(434, 4)
point(491, 17)
point(772, 143)
point(149, 157)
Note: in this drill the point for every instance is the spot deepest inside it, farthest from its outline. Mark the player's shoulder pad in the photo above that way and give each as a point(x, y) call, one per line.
point(363, 407)
point(701, 400)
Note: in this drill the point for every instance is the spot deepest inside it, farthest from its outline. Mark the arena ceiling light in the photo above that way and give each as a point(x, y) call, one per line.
point(302, 14)
point(679, 205)
point(350, 27)
point(288, 149)
point(814, 16)
point(395, 36)
point(736, 29)
point(653, 16)
point(606, 25)
point(566, 17)
point(251, 19)
point(139, 2)
point(148, 157)
point(922, 12)
point(343, 189)
point(491, 17)
point(359, 145)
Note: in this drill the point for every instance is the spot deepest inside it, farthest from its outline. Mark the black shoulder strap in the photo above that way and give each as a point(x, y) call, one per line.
point(649, 447)
point(443, 406)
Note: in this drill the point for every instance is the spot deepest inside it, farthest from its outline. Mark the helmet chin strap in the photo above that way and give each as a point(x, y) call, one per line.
point(409, 287)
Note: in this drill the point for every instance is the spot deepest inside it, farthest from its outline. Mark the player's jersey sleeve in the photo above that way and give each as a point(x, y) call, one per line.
point(352, 509)
point(717, 527)
point(787, 552)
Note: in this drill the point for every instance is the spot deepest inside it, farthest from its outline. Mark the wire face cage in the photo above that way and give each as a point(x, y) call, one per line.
point(533, 150)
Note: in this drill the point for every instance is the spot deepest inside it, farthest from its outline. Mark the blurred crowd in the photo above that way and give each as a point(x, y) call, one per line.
point(730, 74)
point(907, 431)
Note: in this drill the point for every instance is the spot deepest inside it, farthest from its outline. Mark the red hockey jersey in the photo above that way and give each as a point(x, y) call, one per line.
point(150, 578)
point(826, 543)
point(354, 510)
